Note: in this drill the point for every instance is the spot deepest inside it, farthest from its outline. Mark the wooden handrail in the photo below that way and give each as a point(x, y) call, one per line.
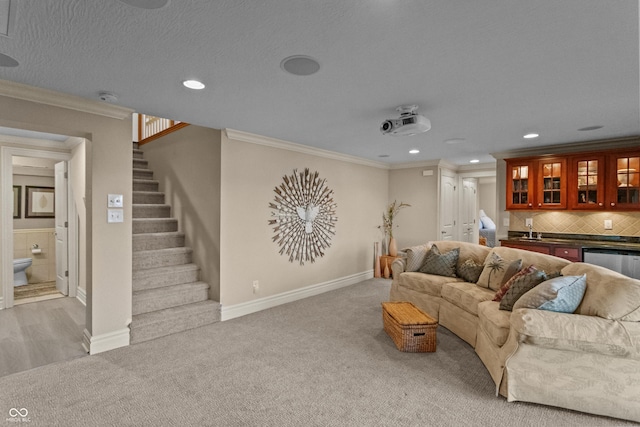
point(151, 127)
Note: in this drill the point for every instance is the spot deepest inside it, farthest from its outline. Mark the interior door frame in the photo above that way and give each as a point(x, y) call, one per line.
point(6, 226)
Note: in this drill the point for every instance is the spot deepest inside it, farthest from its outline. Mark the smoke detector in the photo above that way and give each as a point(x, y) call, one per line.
point(108, 97)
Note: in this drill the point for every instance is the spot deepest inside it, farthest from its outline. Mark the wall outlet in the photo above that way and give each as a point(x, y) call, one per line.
point(505, 222)
point(528, 222)
point(608, 224)
point(115, 201)
point(256, 286)
point(115, 215)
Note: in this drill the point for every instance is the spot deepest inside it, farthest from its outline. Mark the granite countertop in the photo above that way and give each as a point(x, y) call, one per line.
point(583, 240)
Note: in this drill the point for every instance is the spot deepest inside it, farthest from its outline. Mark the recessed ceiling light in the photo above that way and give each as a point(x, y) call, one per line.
point(108, 97)
point(300, 65)
point(193, 84)
point(146, 4)
point(454, 141)
point(414, 151)
point(531, 135)
point(474, 161)
point(588, 128)
point(7, 61)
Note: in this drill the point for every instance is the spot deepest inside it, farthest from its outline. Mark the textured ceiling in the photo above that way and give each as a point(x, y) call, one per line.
point(485, 71)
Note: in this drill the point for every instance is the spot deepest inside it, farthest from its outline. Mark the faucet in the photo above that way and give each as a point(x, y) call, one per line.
point(530, 231)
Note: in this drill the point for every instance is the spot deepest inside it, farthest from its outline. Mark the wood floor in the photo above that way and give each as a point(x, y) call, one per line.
point(40, 333)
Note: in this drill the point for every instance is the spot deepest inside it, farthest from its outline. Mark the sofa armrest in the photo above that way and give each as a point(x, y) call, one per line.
point(577, 332)
point(398, 266)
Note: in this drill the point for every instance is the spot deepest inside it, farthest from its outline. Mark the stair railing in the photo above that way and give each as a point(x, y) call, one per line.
point(151, 127)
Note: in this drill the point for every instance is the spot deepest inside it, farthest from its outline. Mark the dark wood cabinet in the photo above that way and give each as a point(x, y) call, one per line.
point(623, 190)
point(561, 250)
point(537, 183)
point(587, 182)
point(520, 184)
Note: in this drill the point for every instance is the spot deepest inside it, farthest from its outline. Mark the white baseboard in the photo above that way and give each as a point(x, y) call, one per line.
point(105, 342)
point(81, 295)
point(242, 309)
point(1, 303)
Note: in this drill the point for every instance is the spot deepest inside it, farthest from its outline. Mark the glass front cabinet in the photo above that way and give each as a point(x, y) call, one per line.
point(624, 181)
point(536, 184)
point(520, 184)
point(552, 183)
point(587, 182)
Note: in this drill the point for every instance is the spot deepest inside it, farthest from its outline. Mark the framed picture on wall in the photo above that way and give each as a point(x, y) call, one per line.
point(17, 201)
point(40, 202)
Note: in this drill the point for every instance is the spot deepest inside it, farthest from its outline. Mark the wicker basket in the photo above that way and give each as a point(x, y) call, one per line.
point(411, 329)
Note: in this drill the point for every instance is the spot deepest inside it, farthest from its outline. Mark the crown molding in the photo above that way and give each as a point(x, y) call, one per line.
point(574, 147)
point(299, 148)
point(57, 99)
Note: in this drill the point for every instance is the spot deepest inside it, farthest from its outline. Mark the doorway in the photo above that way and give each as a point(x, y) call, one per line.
point(64, 271)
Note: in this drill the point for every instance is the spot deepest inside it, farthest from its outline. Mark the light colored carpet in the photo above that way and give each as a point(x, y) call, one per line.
point(322, 361)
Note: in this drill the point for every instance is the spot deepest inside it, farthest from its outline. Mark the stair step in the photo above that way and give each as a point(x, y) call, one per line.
point(142, 173)
point(154, 225)
point(151, 241)
point(138, 154)
point(140, 163)
point(156, 299)
point(165, 276)
point(145, 185)
point(151, 211)
point(143, 260)
point(148, 197)
point(148, 326)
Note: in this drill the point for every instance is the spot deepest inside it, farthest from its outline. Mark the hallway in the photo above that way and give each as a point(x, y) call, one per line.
point(40, 333)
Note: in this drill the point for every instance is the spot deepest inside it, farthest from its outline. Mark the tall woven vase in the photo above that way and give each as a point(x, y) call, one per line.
point(376, 260)
point(393, 247)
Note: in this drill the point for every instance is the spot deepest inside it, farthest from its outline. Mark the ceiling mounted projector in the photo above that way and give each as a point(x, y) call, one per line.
point(409, 123)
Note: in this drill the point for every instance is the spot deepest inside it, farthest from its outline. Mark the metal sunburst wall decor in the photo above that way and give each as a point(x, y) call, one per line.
point(304, 216)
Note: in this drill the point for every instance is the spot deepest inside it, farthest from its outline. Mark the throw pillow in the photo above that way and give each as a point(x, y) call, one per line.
point(521, 286)
point(470, 271)
point(416, 256)
point(504, 288)
point(562, 294)
point(497, 271)
point(441, 264)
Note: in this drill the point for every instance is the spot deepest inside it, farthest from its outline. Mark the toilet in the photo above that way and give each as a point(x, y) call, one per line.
point(20, 266)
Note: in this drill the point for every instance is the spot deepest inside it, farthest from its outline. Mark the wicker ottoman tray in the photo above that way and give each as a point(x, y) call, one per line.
point(411, 329)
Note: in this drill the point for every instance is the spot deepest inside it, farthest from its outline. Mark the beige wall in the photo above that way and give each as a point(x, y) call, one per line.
point(187, 164)
point(108, 170)
point(43, 264)
point(487, 196)
point(250, 172)
point(419, 223)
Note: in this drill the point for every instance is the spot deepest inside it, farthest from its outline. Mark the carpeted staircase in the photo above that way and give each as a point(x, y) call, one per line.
point(167, 294)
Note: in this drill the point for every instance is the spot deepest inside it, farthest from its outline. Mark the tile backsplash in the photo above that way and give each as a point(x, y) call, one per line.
point(43, 267)
point(571, 222)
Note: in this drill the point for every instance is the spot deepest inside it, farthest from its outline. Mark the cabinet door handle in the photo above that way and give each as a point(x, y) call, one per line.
point(530, 205)
point(539, 204)
point(613, 204)
point(566, 252)
point(600, 204)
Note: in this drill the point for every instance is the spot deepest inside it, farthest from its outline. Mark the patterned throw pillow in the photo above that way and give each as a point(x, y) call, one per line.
point(470, 271)
point(416, 256)
point(521, 286)
point(504, 288)
point(497, 271)
point(562, 294)
point(441, 264)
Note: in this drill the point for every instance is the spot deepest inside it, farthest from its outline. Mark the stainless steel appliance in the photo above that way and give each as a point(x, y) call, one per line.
point(622, 261)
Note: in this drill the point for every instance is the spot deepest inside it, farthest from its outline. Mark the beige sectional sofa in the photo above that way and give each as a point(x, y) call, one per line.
point(586, 361)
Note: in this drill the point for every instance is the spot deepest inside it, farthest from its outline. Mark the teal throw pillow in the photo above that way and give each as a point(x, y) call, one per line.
point(562, 294)
point(441, 264)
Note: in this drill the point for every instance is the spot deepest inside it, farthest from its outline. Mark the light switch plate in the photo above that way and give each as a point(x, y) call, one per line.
point(115, 215)
point(608, 224)
point(505, 222)
point(115, 201)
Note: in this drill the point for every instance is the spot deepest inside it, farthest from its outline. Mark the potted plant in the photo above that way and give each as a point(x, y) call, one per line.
point(387, 224)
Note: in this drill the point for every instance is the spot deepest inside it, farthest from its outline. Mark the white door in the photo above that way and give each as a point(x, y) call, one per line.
point(468, 211)
point(62, 270)
point(447, 207)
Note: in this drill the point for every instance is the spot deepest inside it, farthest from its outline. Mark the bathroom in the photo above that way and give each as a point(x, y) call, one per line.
point(34, 252)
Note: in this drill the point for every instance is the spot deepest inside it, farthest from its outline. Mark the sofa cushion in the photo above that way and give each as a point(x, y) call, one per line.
point(442, 264)
point(561, 294)
point(468, 250)
point(497, 270)
point(416, 256)
point(429, 284)
point(465, 295)
point(504, 288)
point(470, 271)
point(521, 286)
point(495, 322)
point(609, 294)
